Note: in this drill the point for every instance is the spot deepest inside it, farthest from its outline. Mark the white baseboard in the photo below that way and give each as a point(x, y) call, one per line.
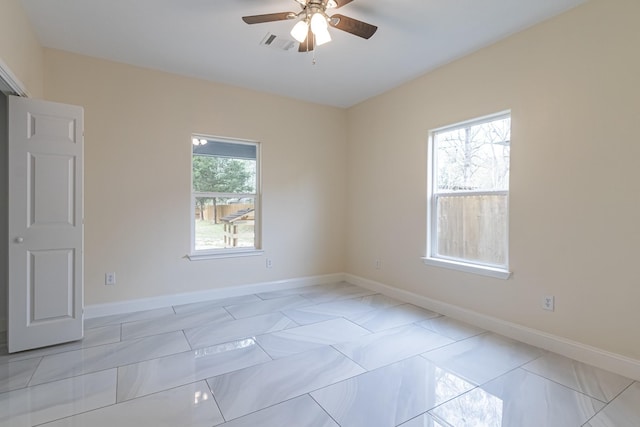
point(129, 306)
point(594, 356)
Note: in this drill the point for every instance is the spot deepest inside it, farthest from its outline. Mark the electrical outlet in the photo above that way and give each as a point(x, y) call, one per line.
point(548, 302)
point(269, 263)
point(378, 264)
point(110, 278)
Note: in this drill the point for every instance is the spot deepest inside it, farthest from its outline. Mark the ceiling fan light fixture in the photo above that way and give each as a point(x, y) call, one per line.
point(322, 37)
point(300, 31)
point(331, 4)
point(318, 23)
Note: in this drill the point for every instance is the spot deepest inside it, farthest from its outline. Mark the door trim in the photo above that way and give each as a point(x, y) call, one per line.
point(9, 85)
point(15, 86)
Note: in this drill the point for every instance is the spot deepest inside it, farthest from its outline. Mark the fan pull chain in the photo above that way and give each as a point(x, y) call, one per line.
point(314, 50)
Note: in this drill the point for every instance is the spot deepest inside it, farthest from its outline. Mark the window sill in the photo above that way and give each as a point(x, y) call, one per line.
point(229, 253)
point(498, 273)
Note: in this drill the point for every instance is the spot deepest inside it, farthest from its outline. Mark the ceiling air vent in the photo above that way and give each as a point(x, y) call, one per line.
point(278, 42)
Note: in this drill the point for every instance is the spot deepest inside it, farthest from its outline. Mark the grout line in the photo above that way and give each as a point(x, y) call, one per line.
point(254, 338)
point(33, 373)
point(187, 340)
point(215, 400)
point(322, 407)
point(559, 383)
point(609, 403)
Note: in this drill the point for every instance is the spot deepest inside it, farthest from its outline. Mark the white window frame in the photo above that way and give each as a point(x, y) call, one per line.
point(431, 258)
point(204, 254)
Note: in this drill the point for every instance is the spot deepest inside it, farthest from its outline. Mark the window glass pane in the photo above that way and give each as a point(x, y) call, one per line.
point(222, 223)
point(234, 150)
point(473, 228)
point(473, 157)
point(223, 174)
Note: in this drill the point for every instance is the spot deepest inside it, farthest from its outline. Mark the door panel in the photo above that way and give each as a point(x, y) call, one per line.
point(48, 128)
point(51, 190)
point(45, 223)
point(51, 295)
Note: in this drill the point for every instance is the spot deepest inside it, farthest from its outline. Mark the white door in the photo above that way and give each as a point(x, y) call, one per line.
point(45, 223)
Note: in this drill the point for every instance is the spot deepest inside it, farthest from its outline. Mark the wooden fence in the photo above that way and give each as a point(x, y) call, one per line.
point(465, 220)
point(222, 210)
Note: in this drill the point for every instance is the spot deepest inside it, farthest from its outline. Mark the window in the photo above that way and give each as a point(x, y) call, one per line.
point(469, 196)
point(225, 197)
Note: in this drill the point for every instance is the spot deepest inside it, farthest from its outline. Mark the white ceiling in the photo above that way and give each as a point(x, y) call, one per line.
point(207, 39)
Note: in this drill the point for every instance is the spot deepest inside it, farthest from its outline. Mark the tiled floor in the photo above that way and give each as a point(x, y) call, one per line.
point(329, 355)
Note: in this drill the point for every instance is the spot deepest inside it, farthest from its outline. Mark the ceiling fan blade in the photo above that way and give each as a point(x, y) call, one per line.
point(341, 3)
point(353, 26)
point(269, 17)
point(308, 44)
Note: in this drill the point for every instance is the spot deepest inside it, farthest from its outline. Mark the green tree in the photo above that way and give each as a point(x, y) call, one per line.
point(221, 175)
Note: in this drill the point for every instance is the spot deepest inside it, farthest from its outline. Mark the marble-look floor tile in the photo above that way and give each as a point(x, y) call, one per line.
point(92, 338)
point(349, 308)
point(346, 292)
point(242, 311)
point(390, 395)
point(357, 305)
point(305, 338)
point(388, 318)
point(521, 399)
point(378, 301)
point(15, 375)
point(592, 381)
point(114, 319)
point(160, 374)
point(392, 345)
point(623, 411)
point(305, 315)
point(299, 412)
point(321, 293)
point(221, 302)
point(47, 402)
point(173, 322)
point(303, 290)
point(94, 359)
point(483, 357)
point(242, 392)
point(190, 405)
point(207, 335)
point(452, 328)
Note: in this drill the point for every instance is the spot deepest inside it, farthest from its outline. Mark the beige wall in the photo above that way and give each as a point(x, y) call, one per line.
point(572, 84)
point(137, 177)
point(19, 48)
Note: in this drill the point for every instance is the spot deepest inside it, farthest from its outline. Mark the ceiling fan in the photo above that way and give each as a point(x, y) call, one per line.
point(312, 28)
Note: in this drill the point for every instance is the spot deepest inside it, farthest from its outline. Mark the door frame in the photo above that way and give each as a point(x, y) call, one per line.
point(9, 85)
